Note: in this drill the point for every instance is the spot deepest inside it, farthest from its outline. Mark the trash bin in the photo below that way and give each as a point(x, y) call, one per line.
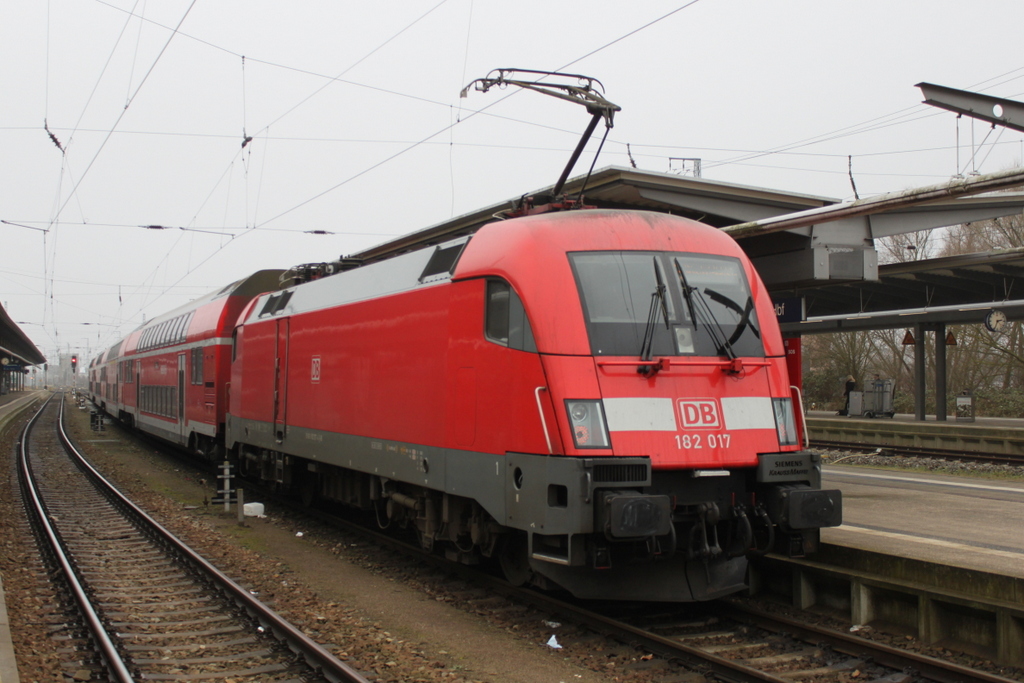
point(965, 406)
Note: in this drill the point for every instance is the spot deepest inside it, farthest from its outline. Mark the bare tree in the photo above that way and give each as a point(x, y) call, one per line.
point(989, 364)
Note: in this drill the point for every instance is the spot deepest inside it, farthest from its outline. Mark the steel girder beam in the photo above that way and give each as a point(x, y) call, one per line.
point(994, 110)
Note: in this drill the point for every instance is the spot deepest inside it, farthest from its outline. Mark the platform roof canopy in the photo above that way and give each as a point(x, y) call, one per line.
point(951, 290)
point(833, 265)
point(14, 345)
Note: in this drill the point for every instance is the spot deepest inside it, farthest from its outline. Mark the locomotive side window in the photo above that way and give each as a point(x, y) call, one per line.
point(505, 320)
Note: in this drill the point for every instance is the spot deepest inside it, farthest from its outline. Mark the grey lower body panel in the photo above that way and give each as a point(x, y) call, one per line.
point(478, 476)
point(156, 427)
point(568, 507)
point(534, 493)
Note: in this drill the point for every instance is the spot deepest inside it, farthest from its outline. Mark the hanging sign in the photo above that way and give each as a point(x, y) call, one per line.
point(908, 338)
point(950, 339)
point(789, 310)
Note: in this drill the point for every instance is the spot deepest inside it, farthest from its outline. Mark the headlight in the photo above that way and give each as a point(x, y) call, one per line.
point(785, 421)
point(588, 426)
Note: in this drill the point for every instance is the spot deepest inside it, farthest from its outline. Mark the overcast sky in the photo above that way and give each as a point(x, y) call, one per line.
point(357, 127)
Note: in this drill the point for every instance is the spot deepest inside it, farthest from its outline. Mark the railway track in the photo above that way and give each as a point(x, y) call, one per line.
point(734, 642)
point(731, 641)
point(153, 609)
point(861, 448)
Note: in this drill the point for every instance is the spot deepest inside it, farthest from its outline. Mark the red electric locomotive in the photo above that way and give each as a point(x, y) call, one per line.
point(597, 398)
point(169, 377)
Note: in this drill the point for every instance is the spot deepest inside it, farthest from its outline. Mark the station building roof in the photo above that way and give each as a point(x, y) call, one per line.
point(832, 266)
point(15, 345)
point(951, 290)
point(712, 202)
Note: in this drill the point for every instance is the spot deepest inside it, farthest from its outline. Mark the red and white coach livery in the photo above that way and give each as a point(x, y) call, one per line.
point(598, 398)
point(169, 377)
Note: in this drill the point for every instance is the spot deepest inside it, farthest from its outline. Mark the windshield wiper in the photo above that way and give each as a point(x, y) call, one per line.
point(700, 311)
point(657, 301)
point(743, 313)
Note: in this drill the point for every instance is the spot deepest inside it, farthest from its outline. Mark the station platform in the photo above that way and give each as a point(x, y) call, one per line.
point(964, 522)
point(9, 403)
point(956, 521)
point(994, 435)
point(1000, 422)
point(967, 522)
point(18, 396)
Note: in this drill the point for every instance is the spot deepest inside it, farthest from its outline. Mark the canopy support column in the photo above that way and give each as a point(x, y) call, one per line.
point(940, 372)
point(919, 372)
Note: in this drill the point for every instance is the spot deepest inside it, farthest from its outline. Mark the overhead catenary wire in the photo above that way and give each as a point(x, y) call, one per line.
point(306, 99)
point(356, 63)
point(431, 136)
point(252, 220)
point(494, 145)
point(135, 55)
point(898, 117)
point(120, 116)
point(991, 147)
point(472, 114)
point(200, 229)
point(806, 141)
point(413, 145)
point(458, 112)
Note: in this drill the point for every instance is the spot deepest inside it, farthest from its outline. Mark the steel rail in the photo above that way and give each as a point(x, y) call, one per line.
point(723, 669)
point(975, 456)
point(929, 667)
point(729, 670)
point(116, 666)
point(316, 656)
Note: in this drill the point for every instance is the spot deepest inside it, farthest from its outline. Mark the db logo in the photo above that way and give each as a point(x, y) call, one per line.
point(699, 413)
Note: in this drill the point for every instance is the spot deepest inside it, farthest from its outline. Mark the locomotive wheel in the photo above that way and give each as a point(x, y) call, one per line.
point(514, 563)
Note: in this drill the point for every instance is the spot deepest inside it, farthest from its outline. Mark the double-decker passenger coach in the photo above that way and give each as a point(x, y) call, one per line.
point(169, 377)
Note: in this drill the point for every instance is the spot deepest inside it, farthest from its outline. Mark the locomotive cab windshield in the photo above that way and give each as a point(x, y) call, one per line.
point(706, 304)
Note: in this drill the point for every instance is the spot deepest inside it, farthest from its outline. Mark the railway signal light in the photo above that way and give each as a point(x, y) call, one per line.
point(74, 364)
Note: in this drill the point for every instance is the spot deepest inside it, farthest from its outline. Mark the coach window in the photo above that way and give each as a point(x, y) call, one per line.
point(197, 365)
point(505, 320)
